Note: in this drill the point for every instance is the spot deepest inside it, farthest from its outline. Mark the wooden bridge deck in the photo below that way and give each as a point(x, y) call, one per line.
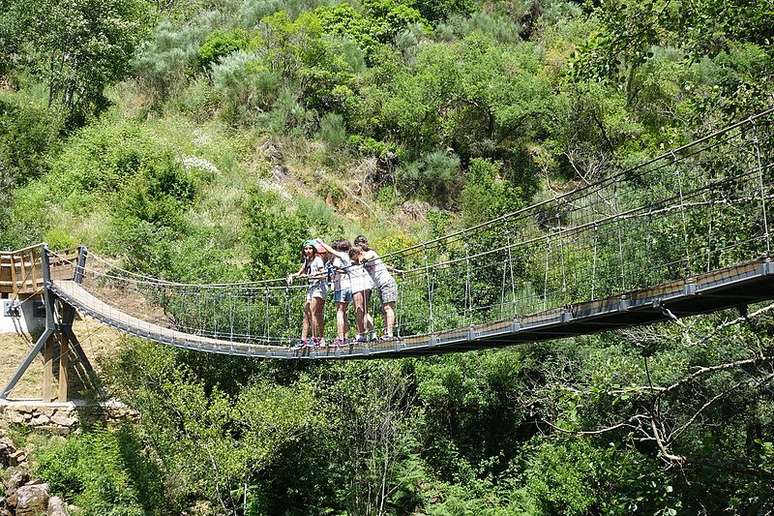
point(744, 283)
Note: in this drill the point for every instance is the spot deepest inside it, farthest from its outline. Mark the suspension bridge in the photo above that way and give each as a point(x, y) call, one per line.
point(684, 233)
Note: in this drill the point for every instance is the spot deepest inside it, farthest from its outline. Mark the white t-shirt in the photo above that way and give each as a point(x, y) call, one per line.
point(315, 268)
point(359, 278)
point(341, 281)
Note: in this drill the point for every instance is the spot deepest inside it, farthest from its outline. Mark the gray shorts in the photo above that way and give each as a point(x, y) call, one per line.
point(389, 292)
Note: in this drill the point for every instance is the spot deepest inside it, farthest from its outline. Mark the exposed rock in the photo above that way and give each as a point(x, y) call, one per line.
point(47, 411)
point(274, 156)
point(18, 457)
point(39, 420)
point(18, 477)
point(32, 500)
point(9, 455)
point(57, 507)
point(62, 418)
point(16, 417)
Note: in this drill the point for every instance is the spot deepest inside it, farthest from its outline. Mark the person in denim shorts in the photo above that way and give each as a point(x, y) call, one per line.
point(342, 291)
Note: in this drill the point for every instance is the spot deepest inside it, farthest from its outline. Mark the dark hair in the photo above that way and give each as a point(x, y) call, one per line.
point(343, 246)
point(303, 254)
point(362, 241)
point(354, 251)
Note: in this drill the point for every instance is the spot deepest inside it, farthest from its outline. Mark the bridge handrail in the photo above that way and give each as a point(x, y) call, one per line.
point(582, 191)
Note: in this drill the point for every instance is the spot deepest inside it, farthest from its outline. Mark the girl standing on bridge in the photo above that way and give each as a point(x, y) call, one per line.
point(384, 282)
point(361, 285)
point(313, 268)
point(342, 291)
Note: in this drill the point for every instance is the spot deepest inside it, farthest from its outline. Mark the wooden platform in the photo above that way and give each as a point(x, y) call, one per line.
point(745, 283)
point(20, 272)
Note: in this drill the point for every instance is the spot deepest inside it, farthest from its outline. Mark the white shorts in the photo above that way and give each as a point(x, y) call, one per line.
point(361, 283)
point(317, 290)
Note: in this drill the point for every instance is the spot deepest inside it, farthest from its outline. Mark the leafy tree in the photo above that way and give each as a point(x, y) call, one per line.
point(275, 234)
point(79, 48)
point(487, 194)
point(214, 443)
point(102, 472)
point(28, 135)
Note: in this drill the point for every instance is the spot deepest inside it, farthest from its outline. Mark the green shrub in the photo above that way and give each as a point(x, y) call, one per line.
point(159, 193)
point(487, 194)
point(166, 59)
point(100, 472)
point(440, 9)
point(332, 130)
point(246, 85)
point(220, 44)
point(29, 134)
point(433, 176)
point(104, 157)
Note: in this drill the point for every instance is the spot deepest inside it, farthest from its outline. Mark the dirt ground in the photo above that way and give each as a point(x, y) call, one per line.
point(97, 340)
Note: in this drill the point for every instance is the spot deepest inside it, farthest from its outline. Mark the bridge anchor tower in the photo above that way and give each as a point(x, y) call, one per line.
point(57, 343)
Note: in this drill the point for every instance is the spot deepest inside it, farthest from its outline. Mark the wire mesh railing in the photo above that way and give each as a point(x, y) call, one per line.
point(692, 210)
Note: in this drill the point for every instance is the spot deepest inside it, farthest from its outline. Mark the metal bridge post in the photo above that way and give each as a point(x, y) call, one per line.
point(80, 267)
point(66, 323)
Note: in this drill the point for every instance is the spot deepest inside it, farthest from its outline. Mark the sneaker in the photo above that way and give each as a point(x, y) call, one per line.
point(300, 344)
point(321, 343)
point(361, 339)
point(386, 338)
point(339, 343)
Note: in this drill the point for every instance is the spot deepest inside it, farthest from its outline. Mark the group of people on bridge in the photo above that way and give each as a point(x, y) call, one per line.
point(352, 271)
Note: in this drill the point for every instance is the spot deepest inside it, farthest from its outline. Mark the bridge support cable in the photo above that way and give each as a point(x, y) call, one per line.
point(687, 228)
point(514, 307)
point(683, 216)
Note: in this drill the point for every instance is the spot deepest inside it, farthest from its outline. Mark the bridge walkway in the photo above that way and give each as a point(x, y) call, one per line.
point(741, 284)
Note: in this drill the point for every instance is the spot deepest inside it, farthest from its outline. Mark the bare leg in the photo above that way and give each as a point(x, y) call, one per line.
point(389, 318)
point(320, 317)
point(369, 321)
point(360, 311)
point(316, 308)
point(305, 324)
point(341, 319)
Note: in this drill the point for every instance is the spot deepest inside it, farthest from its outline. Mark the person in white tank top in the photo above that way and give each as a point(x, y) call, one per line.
point(361, 284)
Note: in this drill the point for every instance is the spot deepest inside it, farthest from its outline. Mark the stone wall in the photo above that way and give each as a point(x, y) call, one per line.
point(62, 418)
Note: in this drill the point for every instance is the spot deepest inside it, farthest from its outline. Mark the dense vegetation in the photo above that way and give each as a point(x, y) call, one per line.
point(202, 141)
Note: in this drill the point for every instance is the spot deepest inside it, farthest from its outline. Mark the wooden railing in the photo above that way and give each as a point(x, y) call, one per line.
point(21, 272)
